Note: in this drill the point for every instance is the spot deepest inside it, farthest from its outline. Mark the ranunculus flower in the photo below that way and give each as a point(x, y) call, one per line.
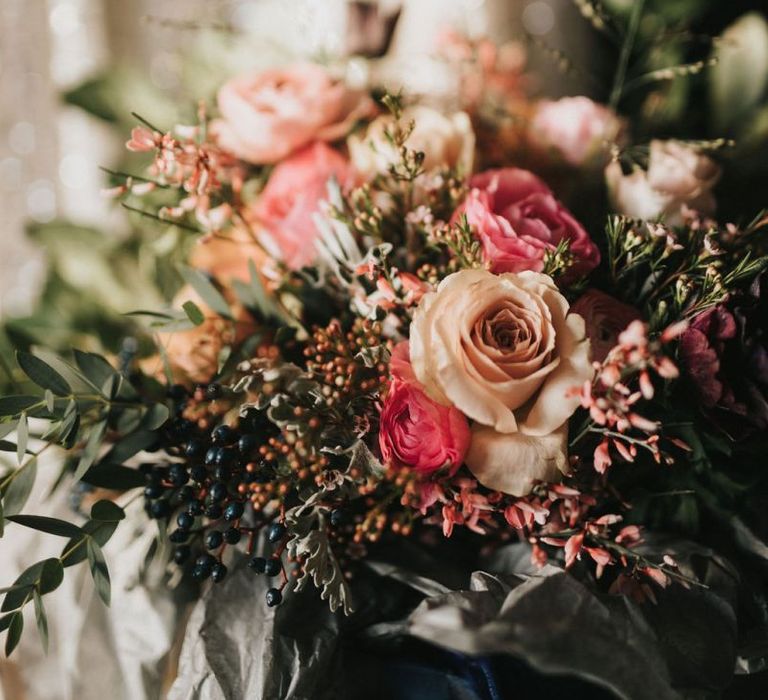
point(226, 256)
point(677, 176)
point(446, 141)
point(265, 116)
point(416, 431)
point(605, 318)
point(504, 351)
point(724, 352)
point(285, 209)
point(574, 127)
point(518, 220)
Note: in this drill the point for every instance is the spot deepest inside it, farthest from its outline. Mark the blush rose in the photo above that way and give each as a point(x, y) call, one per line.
point(518, 220)
point(504, 350)
point(284, 211)
point(268, 115)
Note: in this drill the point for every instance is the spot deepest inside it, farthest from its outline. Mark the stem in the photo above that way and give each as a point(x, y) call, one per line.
point(626, 51)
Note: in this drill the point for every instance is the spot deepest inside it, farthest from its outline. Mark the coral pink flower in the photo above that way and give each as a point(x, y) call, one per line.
point(416, 431)
point(287, 205)
point(518, 220)
point(269, 115)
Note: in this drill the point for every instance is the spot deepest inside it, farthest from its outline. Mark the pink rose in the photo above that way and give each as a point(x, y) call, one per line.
point(266, 116)
point(605, 318)
point(518, 220)
point(575, 127)
point(416, 431)
point(287, 205)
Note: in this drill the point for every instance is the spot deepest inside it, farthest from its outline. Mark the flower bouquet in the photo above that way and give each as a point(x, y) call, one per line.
point(411, 413)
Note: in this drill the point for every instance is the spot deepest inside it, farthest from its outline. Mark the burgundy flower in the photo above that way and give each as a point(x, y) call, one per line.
point(605, 318)
point(725, 354)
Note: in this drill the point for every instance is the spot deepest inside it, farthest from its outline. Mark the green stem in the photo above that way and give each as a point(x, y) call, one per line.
point(626, 51)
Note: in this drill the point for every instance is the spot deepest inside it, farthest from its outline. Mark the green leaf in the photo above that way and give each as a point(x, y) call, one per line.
point(42, 374)
point(193, 312)
point(156, 416)
point(99, 570)
point(13, 405)
point(53, 526)
point(91, 449)
point(50, 402)
point(47, 575)
point(2, 520)
point(113, 476)
point(19, 489)
point(51, 576)
point(70, 437)
point(5, 621)
point(7, 428)
point(41, 619)
point(107, 511)
point(129, 446)
point(22, 438)
point(15, 628)
point(75, 550)
point(208, 293)
point(94, 367)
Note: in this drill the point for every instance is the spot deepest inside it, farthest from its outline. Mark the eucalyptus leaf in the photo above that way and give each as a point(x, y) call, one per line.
point(15, 628)
point(193, 312)
point(41, 619)
point(13, 405)
point(107, 511)
point(50, 402)
point(52, 526)
point(129, 446)
point(113, 476)
point(42, 374)
point(207, 291)
point(94, 367)
point(99, 570)
point(155, 417)
point(20, 487)
point(91, 449)
point(22, 437)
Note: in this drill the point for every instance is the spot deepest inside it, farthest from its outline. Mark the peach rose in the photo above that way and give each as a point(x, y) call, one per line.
point(446, 141)
point(225, 257)
point(677, 176)
point(504, 351)
point(574, 127)
point(286, 207)
point(266, 116)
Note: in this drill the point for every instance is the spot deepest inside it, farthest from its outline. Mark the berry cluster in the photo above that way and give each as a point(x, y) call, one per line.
point(207, 489)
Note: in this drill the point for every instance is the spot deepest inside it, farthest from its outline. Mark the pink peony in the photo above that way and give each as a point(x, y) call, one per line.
point(416, 431)
point(268, 115)
point(287, 205)
point(518, 220)
point(575, 127)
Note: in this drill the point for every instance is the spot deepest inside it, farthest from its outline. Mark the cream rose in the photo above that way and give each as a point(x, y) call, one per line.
point(446, 141)
point(677, 175)
point(504, 351)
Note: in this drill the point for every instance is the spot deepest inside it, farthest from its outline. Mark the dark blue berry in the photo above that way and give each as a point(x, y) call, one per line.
point(247, 444)
point(160, 509)
point(222, 473)
point(223, 435)
point(185, 494)
point(232, 535)
point(218, 491)
point(153, 491)
point(338, 517)
point(185, 521)
point(195, 508)
point(205, 561)
point(273, 567)
point(274, 597)
point(182, 553)
point(198, 473)
point(214, 391)
point(219, 572)
point(227, 457)
point(211, 456)
point(258, 564)
point(179, 535)
point(275, 532)
point(178, 475)
point(200, 573)
point(213, 539)
point(233, 510)
point(195, 448)
point(213, 511)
